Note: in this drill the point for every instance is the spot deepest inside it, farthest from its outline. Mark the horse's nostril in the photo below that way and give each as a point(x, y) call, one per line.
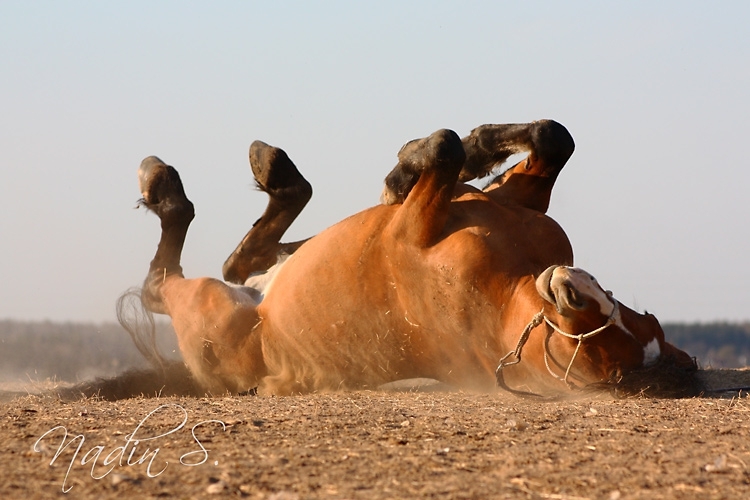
point(571, 295)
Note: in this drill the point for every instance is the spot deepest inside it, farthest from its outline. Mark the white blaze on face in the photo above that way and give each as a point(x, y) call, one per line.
point(585, 284)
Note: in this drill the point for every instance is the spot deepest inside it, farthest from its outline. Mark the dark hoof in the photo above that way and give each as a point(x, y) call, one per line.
point(442, 150)
point(488, 146)
point(162, 191)
point(552, 142)
point(443, 147)
point(276, 174)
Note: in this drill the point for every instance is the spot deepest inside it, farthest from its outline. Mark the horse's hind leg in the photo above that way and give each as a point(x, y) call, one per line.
point(288, 194)
point(217, 325)
point(163, 194)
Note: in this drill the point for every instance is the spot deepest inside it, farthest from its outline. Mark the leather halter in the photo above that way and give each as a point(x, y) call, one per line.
point(536, 321)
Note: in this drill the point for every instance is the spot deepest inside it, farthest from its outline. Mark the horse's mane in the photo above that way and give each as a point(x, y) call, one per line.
point(664, 379)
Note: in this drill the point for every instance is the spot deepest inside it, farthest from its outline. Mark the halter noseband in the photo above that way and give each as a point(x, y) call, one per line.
point(536, 321)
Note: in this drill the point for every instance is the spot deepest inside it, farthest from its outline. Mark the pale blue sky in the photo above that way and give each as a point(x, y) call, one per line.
point(656, 95)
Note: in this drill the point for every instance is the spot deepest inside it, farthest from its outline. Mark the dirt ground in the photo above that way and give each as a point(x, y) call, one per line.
point(376, 444)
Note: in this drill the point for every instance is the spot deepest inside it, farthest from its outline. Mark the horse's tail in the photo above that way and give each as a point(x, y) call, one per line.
point(139, 323)
point(166, 378)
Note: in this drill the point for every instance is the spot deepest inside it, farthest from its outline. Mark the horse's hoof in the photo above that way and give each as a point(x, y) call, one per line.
point(441, 147)
point(441, 150)
point(276, 174)
point(151, 168)
point(162, 190)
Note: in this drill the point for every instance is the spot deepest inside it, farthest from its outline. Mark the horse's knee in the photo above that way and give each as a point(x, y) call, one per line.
point(151, 293)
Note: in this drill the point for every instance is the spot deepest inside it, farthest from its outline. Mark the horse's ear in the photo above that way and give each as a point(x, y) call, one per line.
point(680, 358)
point(670, 353)
point(658, 331)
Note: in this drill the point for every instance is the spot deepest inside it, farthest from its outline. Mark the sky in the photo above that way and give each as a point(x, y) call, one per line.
point(656, 95)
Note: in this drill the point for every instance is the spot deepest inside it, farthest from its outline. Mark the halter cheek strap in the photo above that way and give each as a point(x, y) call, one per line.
point(613, 319)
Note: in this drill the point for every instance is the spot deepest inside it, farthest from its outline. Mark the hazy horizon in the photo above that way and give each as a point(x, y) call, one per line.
point(655, 95)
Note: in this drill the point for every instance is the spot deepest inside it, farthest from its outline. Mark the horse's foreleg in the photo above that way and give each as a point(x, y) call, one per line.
point(163, 194)
point(437, 161)
point(530, 182)
point(549, 144)
point(288, 194)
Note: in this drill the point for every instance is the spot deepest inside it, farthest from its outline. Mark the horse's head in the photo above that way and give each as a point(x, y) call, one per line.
point(592, 336)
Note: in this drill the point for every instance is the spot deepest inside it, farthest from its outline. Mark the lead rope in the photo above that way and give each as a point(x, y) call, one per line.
point(610, 321)
point(536, 321)
point(570, 385)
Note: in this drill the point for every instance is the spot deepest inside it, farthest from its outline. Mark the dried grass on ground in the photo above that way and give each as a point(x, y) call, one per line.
point(378, 444)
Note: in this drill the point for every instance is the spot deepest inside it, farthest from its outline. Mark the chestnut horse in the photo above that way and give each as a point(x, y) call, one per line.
point(473, 288)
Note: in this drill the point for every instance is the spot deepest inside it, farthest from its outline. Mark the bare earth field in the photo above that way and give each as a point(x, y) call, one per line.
point(376, 444)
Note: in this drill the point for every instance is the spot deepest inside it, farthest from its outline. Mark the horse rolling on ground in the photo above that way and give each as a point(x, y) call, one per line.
point(473, 288)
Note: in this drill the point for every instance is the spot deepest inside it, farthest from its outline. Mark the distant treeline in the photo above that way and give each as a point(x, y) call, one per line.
point(72, 351)
point(80, 351)
point(715, 345)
